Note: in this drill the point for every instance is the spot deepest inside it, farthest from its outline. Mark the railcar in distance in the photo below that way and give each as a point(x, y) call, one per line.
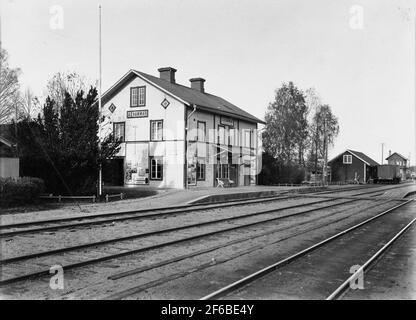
point(388, 173)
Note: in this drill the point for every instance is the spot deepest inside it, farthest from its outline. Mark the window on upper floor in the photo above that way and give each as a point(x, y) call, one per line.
point(119, 131)
point(347, 159)
point(138, 96)
point(201, 131)
point(247, 138)
point(156, 130)
point(221, 134)
point(231, 135)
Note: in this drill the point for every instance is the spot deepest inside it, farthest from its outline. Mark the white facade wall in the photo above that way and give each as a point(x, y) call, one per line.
point(137, 146)
point(212, 121)
point(9, 167)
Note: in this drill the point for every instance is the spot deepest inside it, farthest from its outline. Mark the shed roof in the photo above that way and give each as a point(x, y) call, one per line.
point(6, 135)
point(361, 156)
point(404, 158)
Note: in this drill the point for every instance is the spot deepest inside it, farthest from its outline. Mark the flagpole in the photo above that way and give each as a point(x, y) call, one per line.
point(100, 173)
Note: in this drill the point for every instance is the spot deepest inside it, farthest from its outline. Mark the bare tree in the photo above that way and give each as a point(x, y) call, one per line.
point(62, 82)
point(9, 89)
point(29, 105)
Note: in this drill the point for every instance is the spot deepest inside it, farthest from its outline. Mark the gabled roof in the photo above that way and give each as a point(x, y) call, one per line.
point(6, 142)
point(404, 158)
point(203, 100)
point(5, 135)
point(363, 157)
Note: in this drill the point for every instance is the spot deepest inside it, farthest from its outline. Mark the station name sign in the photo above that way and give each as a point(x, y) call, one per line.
point(137, 114)
point(227, 121)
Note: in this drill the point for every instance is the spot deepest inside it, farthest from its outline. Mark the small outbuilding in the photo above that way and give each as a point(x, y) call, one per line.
point(352, 166)
point(9, 163)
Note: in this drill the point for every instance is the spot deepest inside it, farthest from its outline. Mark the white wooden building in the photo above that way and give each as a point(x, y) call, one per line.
point(177, 136)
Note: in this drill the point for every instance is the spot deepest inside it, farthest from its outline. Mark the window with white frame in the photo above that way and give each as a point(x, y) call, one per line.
point(156, 130)
point(119, 131)
point(138, 96)
point(223, 171)
point(156, 168)
point(200, 171)
point(347, 159)
point(232, 141)
point(247, 139)
point(221, 134)
point(201, 131)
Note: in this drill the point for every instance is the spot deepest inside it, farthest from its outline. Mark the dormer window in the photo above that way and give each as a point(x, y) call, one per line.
point(347, 159)
point(138, 96)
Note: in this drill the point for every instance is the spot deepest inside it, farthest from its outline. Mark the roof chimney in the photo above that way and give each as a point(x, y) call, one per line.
point(197, 84)
point(389, 153)
point(167, 74)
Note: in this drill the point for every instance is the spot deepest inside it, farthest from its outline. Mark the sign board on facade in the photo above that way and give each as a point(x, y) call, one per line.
point(137, 114)
point(227, 121)
point(165, 103)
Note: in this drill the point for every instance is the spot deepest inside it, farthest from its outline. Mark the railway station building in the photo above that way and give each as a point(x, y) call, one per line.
point(177, 136)
point(352, 166)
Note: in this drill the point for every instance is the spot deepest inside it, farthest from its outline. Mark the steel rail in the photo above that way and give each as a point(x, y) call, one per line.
point(135, 251)
point(158, 232)
point(258, 235)
point(258, 274)
point(343, 288)
point(153, 213)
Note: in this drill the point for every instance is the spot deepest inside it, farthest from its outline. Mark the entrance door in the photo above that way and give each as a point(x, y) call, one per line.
point(234, 174)
point(191, 174)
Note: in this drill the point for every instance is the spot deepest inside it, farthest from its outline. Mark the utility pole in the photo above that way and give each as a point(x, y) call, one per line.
point(100, 168)
point(325, 152)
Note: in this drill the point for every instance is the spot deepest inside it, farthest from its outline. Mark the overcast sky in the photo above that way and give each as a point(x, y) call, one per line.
point(244, 49)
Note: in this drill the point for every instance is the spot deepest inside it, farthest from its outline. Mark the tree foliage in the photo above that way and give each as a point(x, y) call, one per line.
point(63, 148)
point(299, 129)
point(324, 128)
point(286, 125)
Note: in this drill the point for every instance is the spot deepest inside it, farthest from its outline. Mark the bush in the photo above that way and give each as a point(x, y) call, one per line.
point(18, 191)
point(274, 173)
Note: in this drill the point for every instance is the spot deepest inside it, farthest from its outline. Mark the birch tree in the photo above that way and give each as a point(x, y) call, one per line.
point(9, 89)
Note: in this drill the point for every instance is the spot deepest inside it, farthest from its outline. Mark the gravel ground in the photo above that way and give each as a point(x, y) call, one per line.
point(393, 276)
point(198, 284)
point(25, 244)
point(231, 257)
point(92, 282)
point(318, 274)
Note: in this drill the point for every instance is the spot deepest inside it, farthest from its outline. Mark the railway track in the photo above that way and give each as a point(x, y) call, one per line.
point(292, 234)
point(339, 292)
point(15, 229)
point(254, 281)
point(61, 253)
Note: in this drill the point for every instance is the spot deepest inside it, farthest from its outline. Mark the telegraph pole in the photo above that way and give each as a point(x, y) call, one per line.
point(325, 152)
point(414, 11)
point(100, 168)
